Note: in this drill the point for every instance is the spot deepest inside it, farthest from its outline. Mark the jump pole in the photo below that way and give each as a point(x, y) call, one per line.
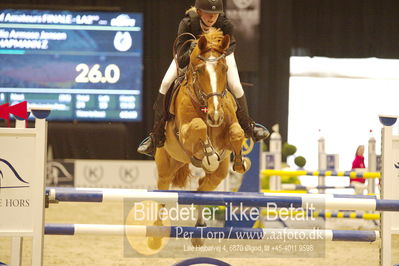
point(322, 162)
point(273, 162)
point(324, 214)
point(389, 185)
point(350, 174)
point(372, 165)
point(202, 232)
point(318, 201)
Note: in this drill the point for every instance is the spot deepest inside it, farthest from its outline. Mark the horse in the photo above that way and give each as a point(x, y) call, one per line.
point(204, 130)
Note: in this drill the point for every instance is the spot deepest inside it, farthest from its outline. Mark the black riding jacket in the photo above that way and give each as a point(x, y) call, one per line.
point(191, 24)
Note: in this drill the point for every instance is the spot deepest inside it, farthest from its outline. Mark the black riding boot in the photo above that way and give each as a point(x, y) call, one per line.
point(157, 135)
point(255, 131)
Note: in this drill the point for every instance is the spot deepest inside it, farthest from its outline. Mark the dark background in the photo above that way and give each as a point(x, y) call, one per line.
point(331, 28)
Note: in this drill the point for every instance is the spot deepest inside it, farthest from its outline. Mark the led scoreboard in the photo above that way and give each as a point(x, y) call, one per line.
point(82, 65)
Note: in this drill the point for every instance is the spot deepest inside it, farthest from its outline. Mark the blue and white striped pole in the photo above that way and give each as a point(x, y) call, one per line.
point(211, 232)
point(317, 201)
point(300, 187)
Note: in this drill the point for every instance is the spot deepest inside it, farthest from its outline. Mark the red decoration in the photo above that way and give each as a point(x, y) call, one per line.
point(4, 111)
point(204, 109)
point(19, 110)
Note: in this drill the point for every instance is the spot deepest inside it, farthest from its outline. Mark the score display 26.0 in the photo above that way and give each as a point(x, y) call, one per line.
point(95, 75)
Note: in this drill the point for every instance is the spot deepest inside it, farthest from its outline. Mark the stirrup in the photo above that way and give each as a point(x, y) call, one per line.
point(147, 147)
point(262, 130)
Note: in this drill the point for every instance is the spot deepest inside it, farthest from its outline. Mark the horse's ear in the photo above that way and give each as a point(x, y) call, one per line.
point(225, 42)
point(202, 42)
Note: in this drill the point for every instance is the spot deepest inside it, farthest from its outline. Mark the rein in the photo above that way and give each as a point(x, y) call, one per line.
point(197, 95)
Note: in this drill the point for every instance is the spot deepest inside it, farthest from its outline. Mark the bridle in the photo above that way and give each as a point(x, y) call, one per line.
point(200, 97)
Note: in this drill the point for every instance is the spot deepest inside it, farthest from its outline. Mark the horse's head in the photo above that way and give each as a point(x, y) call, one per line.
point(209, 74)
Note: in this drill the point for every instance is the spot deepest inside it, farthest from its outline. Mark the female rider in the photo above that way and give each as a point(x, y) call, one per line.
point(205, 14)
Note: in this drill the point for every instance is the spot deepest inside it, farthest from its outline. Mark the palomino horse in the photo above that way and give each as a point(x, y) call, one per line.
point(205, 129)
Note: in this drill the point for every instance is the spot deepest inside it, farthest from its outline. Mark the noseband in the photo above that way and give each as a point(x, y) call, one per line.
point(201, 97)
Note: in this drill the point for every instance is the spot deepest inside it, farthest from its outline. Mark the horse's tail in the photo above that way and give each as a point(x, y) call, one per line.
point(181, 176)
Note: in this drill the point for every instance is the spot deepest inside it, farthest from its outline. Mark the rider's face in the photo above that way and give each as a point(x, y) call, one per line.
point(209, 19)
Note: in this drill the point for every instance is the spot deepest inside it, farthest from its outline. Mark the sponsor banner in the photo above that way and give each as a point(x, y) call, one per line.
point(115, 174)
point(17, 182)
point(269, 160)
point(379, 163)
point(332, 162)
point(60, 173)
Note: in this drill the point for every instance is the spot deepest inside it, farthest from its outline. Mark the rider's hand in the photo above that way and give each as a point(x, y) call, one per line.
point(192, 45)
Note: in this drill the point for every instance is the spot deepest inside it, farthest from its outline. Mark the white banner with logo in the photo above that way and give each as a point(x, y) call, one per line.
point(115, 174)
point(17, 169)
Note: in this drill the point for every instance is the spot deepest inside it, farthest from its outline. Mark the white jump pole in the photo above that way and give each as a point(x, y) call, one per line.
point(322, 164)
point(372, 165)
point(275, 148)
point(16, 251)
point(16, 242)
point(389, 186)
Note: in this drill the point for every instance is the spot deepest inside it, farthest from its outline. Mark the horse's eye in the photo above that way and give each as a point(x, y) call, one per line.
point(200, 69)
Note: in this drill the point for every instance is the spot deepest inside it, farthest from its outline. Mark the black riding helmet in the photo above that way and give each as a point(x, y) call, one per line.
point(210, 6)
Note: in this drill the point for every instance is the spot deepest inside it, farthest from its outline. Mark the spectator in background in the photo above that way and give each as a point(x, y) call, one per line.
point(358, 163)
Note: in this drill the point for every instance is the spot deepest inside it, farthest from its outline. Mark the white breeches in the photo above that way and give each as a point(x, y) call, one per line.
point(233, 79)
point(359, 187)
point(170, 76)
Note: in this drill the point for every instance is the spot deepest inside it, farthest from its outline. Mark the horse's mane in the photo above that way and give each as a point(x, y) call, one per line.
point(214, 36)
point(193, 8)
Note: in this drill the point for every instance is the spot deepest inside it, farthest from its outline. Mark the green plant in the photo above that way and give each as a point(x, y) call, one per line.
point(264, 146)
point(287, 150)
point(300, 161)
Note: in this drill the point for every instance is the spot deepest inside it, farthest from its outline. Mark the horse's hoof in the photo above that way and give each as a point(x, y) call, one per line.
point(154, 243)
point(197, 242)
point(247, 164)
point(243, 166)
point(197, 224)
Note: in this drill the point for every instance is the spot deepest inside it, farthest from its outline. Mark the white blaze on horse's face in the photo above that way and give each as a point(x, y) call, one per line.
point(216, 116)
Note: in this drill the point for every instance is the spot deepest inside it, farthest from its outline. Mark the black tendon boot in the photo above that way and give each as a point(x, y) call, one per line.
point(157, 135)
point(255, 131)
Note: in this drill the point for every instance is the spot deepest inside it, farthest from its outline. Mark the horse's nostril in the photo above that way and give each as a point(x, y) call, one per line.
point(211, 119)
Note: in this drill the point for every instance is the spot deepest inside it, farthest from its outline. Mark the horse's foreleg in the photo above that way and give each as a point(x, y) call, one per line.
point(209, 183)
point(192, 133)
point(198, 242)
point(167, 168)
point(212, 180)
point(236, 136)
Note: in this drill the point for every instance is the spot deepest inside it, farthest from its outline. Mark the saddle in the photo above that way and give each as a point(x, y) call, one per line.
point(170, 96)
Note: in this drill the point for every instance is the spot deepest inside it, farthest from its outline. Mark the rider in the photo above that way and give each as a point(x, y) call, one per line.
point(205, 14)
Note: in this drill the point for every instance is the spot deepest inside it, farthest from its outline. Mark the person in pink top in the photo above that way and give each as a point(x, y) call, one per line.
point(358, 162)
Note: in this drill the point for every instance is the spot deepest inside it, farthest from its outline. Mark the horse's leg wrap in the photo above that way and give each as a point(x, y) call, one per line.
point(211, 159)
point(236, 135)
point(241, 164)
